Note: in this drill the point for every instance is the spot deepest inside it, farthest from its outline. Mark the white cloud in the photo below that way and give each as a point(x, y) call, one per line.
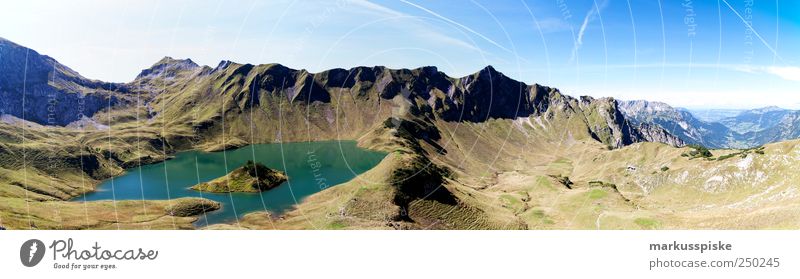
point(590, 16)
point(742, 98)
point(787, 73)
point(791, 73)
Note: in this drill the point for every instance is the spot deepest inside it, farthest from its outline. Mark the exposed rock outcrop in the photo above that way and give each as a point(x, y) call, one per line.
point(37, 88)
point(654, 133)
point(678, 122)
point(429, 93)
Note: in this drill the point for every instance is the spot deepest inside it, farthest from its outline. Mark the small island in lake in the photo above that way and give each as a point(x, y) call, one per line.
point(252, 177)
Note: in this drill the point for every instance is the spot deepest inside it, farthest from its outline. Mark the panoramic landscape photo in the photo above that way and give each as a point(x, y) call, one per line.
point(356, 114)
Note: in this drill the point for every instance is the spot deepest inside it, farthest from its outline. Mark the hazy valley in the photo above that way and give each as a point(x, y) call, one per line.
point(720, 128)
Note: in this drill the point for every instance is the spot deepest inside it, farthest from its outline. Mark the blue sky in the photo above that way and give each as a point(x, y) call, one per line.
point(686, 53)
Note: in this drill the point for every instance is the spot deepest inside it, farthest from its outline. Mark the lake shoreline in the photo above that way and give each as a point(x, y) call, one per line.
point(171, 156)
point(352, 159)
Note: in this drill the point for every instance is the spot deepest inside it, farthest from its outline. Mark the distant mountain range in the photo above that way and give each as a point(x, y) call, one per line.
point(714, 114)
point(718, 128)
point(33, 86)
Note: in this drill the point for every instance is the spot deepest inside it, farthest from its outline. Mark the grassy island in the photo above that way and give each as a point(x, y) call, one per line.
point(252, 177)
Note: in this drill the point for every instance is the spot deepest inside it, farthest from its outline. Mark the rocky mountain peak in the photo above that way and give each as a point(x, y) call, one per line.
point(488, 73)
point(223, 64)
point(428, 70)
point(20, 64)
point(479, 97)
point(168, 67)
point(645, 106)
point(46, 85)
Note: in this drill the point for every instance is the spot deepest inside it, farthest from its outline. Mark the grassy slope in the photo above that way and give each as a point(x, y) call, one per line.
point(506, 175)
point(501, 173)
point(49, 165)
point(383, 197)
point(55, 164)
point(17, 213)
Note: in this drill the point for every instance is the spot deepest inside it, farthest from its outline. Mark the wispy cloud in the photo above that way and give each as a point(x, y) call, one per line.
point(787, 73)
point(551, 25)
point(437, 15)
point(590, 16)
point(791, 73)
point(377, 8)
point(422, 30)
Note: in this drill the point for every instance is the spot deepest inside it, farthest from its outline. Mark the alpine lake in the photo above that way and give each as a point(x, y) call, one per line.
point(310, 166)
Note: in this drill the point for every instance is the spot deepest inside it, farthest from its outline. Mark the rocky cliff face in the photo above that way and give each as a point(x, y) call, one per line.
point(606, 122)
point(654, 133)
point(363, 96)
point(678, 122)
point(37, 88)
point(747, 129)
point(181, 92)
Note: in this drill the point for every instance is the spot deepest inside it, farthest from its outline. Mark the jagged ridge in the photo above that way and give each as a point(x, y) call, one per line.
point(482, 96)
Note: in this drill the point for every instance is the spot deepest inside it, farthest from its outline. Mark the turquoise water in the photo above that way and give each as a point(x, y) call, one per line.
point(311, 167)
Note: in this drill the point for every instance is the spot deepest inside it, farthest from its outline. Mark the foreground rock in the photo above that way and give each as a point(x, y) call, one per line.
point(186, 207)
point(250, 178)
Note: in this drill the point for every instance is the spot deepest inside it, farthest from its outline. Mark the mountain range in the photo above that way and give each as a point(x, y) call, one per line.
point(37, 88)
point(483, 151)
point(742, 129)
point(51, 86)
